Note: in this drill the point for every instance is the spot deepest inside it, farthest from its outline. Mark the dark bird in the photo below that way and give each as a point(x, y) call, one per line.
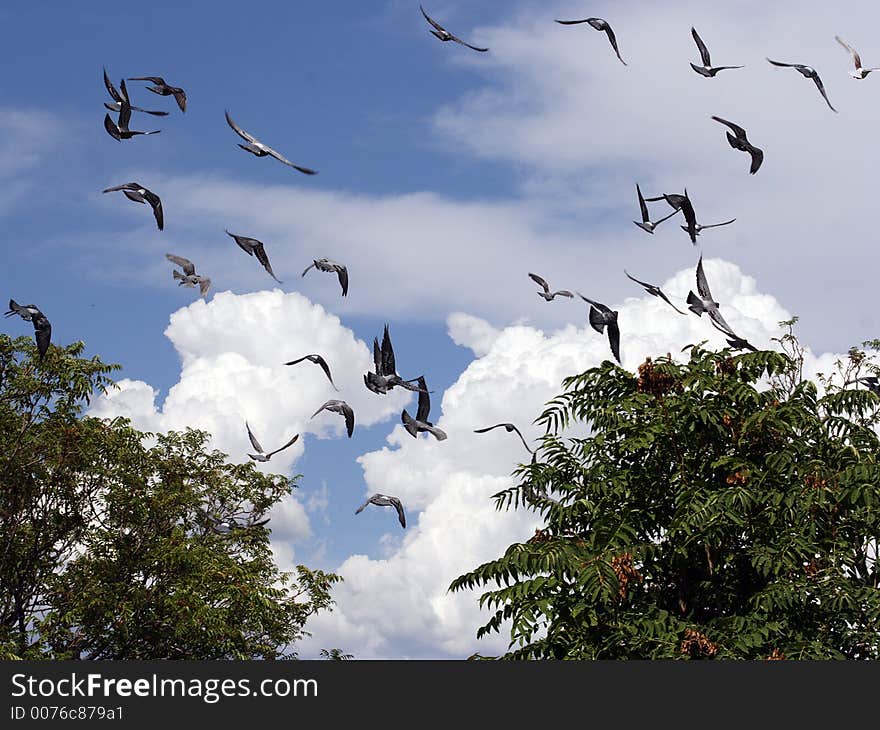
point(343, 409)
point(233, 522)
point(700, 227)
point(871, 382)
point(421, 424)
point(707, 69)
point(807, 72)
point(682, 203)
point(738, 343)
point(385, 376)
point(598, 24)
point(705, 302)
point(546, 294)
point(859, 72)
point(317, 360)
point(255, 147)
point(444, 35)
point(253, 247)
point(600, 317)
point(119, 130)
point(139, 194)
point(328, 265)
point(31, 313)
point(119, 100)
point(740, 142)
point(261, 455)
point(655, 290)
point(382, 500)
point(509, 427)
point(163, 89)
point(647, 225)
point(189, 277)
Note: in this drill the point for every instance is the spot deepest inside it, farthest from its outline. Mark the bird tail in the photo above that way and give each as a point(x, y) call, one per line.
point(695, 304)
point(439, 434)
point(596, 321)
point(409, 424)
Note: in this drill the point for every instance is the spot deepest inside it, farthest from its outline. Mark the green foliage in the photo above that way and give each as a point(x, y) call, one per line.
point(719, 508)
point(110, 549)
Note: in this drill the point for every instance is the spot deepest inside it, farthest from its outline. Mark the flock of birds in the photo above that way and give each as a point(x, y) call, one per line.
point(384, 377)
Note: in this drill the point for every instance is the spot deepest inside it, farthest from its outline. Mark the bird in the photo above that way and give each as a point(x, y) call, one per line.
point(42, 328)
point(705, 303)
point(807, 72)
point(119, 130)
point(738, 343)
point(509, 427)
point(255, 147)
point(421, 424)
point(253, 247)
point(655, 290)
point(382, 500)
point(343, 409)
point(385, 377)
point(700, 227)
point(189, 276)
point(871, 382)
point(740, 142)
point(682, 203)
point(119, 99)
point(602, 316)
point(317, 360)
point(163, 89)
point(328, 265)
point(598, 24)
point(859, 72)
point(546, 294)
point(139, 194)
point(646, 224)
point(262, 455)
point(444, 35)
point(707, 69)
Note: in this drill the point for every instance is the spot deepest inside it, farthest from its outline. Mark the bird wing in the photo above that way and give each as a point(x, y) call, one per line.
point(702, 283)
point(540, 282)
point(111, 89)
point(432, 21)
point(856, 59)
point(124, 186)
point(238, 130)
point(757, 155)
point(289, 443)
point(204, 285)
point(643, 206)
point(784, 65)
point(737, 130)
point(42, 334)
point(180, 98)
point(613, 39)
point(349, 418)
point(716, 225)
point(489, 428)
point(158, 80)
point(570, 22)
point(666, 217)
point(691, 217)
point(254, 442)
point(521, 437)
point(822, 90)
point(719, 323)
point(377, 358)
point(704, 52)
point(424, 408)
point(637, 281)
point(111, 128)
point(321, 408)
point(156, 205)
point(244, 243)
point(260, 253)
point(296, 362)
point(614, 339)
point(188, 267)
point(342, 275)
point(326, 368)
point(399, 507)
point(365, 505)
point(389, 365)
point(464, 43)
point(281, 158)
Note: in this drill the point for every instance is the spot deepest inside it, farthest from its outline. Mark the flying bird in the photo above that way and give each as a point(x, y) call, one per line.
point(328, 265)
point(255, 147)
point(188, 277)
point(42, 328)
point(647, 225)
point(382, 500)
point(343, 409)
point(163, 89)
point(656, 291)
point(253, 247)
point(139, 194)
point(317, 360)
point(546, 294)
point(119, 130)
point(740, 142)
point(738, 343)
point(602, 316)
point(705, 303)
point(261, 455)
point(807, 72)
point(707, 69)
point(509, 427)
point(421, 424)
point(598, 24)
point(700, 227)
point(445, 35)
point(385, 376)
point(682, 203)
point(119, 100)
point(871, 382)
point(859, 72)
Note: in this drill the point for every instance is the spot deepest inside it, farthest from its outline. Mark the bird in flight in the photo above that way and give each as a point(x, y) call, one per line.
point(385, 376)
point(136, 192)
point(382, 500)
point(42, 328)
point(119, 99)
point(189, 276)
point(860, 72)
point(546, 294)
point(807, 72)
point(253, 247)
point(598, 24)
point(445, 35)
point(163, 89)
point(871, 382)
point(421, 424)
point(705, 303)
point(700, 227)
point(119, 130)
point(509, 427)
point(740, 142)
point(682, 203)
point(601, 317)
point(261, 455)
point(656, 291)
point(343, 409)
point(646, 224)
point(317, 360)
point(255, 147)
point(707, 69)
point(328, 265)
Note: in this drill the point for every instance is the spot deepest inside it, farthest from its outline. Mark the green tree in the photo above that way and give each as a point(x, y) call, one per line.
point(112, 549)
point(720, 508)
